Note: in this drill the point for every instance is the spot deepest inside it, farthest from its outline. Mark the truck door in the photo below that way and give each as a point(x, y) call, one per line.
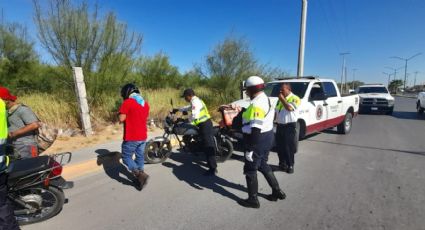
point(317, 108)
point(334, 105)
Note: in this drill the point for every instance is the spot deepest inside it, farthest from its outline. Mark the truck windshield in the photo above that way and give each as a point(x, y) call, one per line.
point(373, 90)
point(298, 88)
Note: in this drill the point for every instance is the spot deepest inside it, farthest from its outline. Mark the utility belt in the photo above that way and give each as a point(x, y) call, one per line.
point(287, 124)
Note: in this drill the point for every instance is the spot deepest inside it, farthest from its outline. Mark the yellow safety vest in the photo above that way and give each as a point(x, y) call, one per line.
point(204, 115)
point(3, 122)
point(293, 99)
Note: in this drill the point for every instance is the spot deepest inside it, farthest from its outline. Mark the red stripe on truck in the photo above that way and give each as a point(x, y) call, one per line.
point(324, 125)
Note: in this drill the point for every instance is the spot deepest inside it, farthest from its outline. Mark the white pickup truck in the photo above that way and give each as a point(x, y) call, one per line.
point(322, 106)
point(420, 104)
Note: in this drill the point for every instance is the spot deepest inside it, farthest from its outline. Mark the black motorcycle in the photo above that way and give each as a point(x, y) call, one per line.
point(159, 148)
point(35, 187)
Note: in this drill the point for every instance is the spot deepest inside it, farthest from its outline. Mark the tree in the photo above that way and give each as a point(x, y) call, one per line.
point(76, 37)
point(395, 85)
point(157, 72)
point(231, 62)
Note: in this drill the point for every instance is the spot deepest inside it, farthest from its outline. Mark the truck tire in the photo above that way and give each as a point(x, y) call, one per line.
point(346, 124)
point(390, 112)
point(419, 108)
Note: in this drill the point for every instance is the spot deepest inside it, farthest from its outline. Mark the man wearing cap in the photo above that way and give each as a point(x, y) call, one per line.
point(23, 125)
point(201, 118)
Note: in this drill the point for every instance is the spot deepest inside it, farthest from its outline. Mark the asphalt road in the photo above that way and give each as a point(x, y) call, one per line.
point(373, 178)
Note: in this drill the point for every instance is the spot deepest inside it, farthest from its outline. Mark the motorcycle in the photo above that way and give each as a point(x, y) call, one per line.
point(159, 148)
point(35, 187)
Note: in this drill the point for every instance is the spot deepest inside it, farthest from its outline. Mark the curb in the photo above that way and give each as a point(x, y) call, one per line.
point(73, 171)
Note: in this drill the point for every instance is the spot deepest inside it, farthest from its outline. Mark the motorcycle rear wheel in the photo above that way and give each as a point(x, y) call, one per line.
point(47, 203)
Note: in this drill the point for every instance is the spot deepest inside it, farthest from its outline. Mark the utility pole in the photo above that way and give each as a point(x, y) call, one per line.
point(354, 76)
point(414, 81)
point(405, 66)
point(300, 70)
point(343, 69)
point(80, 89)
point(395, 71)
point(389, 75)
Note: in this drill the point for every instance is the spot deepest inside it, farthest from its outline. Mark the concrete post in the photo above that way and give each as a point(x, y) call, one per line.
point(80, 90)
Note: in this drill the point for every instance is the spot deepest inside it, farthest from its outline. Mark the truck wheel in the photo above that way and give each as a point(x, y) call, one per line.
point(419, 108)
point(345, 126)
point(390, 112)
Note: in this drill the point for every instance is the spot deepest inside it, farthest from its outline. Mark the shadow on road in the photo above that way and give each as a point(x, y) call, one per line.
point(114, 168)
point(408, 115)
point(191, 172)
point(369, 147)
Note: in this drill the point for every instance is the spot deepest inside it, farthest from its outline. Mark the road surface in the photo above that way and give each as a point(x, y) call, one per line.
point(373, 178)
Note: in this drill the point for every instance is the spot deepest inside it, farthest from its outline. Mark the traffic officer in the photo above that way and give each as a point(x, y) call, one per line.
point(286, 134)
point(257, 127)
point(201, 118)
point(7, 219)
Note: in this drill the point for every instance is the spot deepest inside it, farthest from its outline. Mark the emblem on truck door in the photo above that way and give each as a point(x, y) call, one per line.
point(319, 112)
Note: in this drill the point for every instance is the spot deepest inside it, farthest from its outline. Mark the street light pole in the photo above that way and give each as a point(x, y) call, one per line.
point(414, 81)
point(405, 66)
point(300, 70)
point(343, 69)
point(388, 78)
point(395, 71)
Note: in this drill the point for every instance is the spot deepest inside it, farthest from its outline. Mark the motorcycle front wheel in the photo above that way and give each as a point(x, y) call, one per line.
point(41, 204)
point(224, 151)
point(157, 151)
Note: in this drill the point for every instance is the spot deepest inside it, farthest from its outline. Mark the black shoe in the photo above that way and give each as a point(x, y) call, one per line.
point(211, 172)
point(249, 203)
point(290, 170)
point(283, 167)
point(276, 195)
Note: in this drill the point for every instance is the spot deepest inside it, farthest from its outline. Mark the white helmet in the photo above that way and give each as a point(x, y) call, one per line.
point(254, 81)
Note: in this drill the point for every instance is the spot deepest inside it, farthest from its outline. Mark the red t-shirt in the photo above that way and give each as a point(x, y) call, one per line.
point(135, 127)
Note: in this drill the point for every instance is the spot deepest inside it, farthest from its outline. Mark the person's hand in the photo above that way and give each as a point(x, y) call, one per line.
point(248, 156)
point(11, 135)
point(281, 96)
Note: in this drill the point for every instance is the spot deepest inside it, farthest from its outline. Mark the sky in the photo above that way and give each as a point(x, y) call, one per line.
point(187, 30)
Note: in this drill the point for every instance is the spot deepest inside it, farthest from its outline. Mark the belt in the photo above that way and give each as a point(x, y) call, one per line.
point(287, 124)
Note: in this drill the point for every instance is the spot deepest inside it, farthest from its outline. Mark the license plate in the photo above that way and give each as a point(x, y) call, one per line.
point(374, 108)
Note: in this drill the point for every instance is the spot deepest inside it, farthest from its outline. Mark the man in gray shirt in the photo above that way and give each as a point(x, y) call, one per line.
point(23, 126)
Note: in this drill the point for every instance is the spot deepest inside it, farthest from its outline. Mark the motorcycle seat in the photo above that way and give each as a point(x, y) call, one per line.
point(24, 167)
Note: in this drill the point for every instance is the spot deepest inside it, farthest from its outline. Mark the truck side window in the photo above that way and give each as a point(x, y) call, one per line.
point(330, 90)
point(316, 92)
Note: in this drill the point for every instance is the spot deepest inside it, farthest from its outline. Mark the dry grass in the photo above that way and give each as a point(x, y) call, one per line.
point(60, 113)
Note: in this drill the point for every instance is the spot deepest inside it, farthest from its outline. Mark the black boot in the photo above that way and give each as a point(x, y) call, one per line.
point(277, 193)
point(252, 184)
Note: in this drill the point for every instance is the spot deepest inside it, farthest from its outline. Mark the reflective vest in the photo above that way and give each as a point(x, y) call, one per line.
point(259, 114)
point(3, 122)
point(285, 116)
point(203, 116)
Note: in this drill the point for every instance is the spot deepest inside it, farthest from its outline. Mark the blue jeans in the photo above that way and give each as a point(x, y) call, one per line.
point(133, 147)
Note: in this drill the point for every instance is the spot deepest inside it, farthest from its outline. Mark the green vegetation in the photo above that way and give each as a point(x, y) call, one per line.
point(78, 34)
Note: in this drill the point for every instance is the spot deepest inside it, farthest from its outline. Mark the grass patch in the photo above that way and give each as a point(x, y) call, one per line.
point(62, 113)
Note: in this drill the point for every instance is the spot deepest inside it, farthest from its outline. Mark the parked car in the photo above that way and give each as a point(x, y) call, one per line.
point(375, 98)
point(420, 103)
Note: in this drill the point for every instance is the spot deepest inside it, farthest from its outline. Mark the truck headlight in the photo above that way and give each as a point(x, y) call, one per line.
point(390, 101)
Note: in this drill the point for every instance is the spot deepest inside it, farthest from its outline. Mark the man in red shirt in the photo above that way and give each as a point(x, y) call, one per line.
point(134, 113)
